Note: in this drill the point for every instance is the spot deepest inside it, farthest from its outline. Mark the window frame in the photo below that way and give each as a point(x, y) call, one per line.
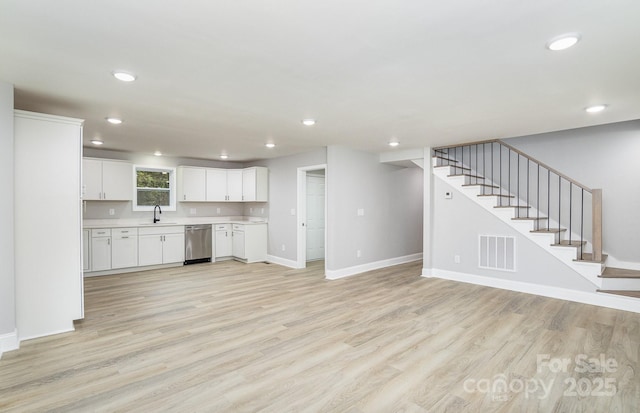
point(172, 187)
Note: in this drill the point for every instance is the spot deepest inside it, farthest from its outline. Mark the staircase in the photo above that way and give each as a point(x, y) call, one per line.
point(559, 214)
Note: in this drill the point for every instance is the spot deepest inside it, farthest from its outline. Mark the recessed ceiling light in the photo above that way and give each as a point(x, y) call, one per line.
point(270, 145)
point(564, 41)
point(114, 121)
point(96, 141)
point(308, 122)
point(595, 108)
point(157, 153)
point(223, 156)
point(393, 144)
point(124, 76)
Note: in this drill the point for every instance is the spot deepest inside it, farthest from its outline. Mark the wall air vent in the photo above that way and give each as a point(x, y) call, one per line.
point(497, 252)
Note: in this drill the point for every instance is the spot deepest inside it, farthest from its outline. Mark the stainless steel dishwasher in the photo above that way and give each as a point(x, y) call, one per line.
point(197, 243)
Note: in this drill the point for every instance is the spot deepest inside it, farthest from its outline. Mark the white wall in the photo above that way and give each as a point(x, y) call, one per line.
point(600, 157)
point(457, 224)
point(283, 187)
point(392, 200)
point(7, 269)
point(124, 210)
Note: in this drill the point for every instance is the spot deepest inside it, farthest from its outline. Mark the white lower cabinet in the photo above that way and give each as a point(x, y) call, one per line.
point(100, 249)
point(223, 245)
point(124, 247)
point(249, 242)
point(160, 245)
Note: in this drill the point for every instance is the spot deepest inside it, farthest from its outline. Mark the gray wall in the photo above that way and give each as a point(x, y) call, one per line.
point(283, 188)
point(456, 228)
point(7, 274)
point(392, 199)
point(124, 210)
point(600, 157)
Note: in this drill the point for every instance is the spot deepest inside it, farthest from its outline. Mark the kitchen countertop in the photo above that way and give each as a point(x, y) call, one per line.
point(164, 222)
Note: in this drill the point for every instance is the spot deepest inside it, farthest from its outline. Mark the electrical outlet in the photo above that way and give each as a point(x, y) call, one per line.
point(358, 254)
point(283, 247)
point(251, 210)
point(218, 211)
point(262, 210)
point(293, 211)
point(112, 211)
point(456, 259)
point(192, 211)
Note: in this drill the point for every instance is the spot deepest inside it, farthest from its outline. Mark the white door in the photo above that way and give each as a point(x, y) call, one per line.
point(216, 185)
point(315, 217)
point(150, 249)
point(193, 184)
point(124, 252)
point(101, 253)
point(239, 250)
point(249, 184)
point(117, 181)
point(223, 243)
point(91, 179)
point(234, 185)
point(173, 248)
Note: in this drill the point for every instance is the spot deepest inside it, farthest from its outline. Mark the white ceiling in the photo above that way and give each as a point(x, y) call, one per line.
point(230, 75)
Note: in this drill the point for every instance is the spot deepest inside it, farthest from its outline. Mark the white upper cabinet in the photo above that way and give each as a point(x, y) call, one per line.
point(216, 185)
point(234, 185)
point(104, 180)
point(255, 184)
point(191, 184)
point(222, 185)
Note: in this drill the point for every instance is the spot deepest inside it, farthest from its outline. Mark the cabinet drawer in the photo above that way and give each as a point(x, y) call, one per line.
point(238, 227)
point(223, 227)
point(102, 232)
point(124, 232)
point(161, 230)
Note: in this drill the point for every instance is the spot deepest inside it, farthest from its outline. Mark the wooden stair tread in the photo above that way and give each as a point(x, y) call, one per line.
point(468, 175)
point(611, 272)
point(512, 206)
point(483, 185)
point(548, 231)
point(588, 257)
point(529, 218)
point(634, 294)
point(498, 195)
point(566, 243)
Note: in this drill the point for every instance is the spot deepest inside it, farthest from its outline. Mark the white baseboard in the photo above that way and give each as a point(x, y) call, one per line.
point(358, 269)
point(585, 297)
point(427, 272)
point(282, 261)
point(50, 333)
point(9, 342)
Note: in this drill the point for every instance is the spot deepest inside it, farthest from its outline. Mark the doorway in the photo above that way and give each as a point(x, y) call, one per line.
point(312, 213)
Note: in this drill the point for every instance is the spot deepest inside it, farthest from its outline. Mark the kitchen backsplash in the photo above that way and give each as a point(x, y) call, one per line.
point(123, 210)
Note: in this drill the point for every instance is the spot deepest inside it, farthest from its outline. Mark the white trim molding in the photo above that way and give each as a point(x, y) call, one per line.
point(9, 342)
point(376, 265)
point(283, 261)
point(585, 297)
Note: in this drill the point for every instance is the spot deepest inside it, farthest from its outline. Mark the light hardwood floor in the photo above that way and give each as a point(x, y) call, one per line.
point(230, 337)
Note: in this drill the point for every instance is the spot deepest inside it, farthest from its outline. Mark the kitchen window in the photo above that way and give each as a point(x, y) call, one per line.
point(154, 186)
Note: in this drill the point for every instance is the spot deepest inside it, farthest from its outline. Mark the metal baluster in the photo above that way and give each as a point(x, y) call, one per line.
point(548, 200)
point(582, 224)
point(528, 167)
point(559, 205)
point(570, 208)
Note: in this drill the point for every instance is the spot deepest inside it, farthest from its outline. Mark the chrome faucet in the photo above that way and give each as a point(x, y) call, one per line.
point(154, 213)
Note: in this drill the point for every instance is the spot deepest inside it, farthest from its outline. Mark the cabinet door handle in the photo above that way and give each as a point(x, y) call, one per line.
point(125, 237)
point(108, 241)
point(104, 195)
point(185, 197)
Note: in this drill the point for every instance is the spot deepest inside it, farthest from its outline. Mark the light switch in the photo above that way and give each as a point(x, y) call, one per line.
point(218, 210)
point(112, 211)
point(360, 212)
point(192, 211)
point(293, 211)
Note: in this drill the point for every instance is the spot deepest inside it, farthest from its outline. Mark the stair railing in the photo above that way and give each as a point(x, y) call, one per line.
point(522, 182)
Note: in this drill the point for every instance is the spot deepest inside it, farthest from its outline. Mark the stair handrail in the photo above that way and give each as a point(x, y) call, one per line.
point(596, 194)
